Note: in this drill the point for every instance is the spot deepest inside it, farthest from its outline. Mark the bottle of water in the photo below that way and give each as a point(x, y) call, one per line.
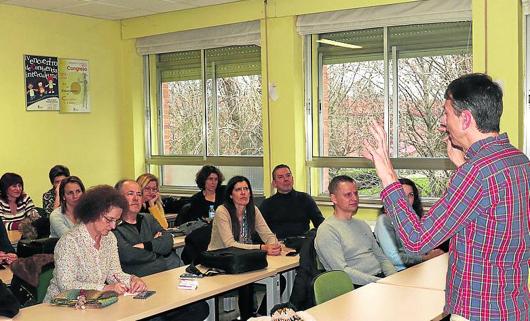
point(244, 236)
point(211, 212)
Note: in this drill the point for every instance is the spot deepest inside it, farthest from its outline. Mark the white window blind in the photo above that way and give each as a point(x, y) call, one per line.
point(245, 33)
point(418, 12)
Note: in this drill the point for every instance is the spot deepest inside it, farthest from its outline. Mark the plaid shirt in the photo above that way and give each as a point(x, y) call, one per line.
point(486, 212)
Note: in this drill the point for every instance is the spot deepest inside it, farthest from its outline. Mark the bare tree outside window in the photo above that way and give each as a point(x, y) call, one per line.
point(353, 94)
point(210, 105)
point(182, 119)
point(239, 108)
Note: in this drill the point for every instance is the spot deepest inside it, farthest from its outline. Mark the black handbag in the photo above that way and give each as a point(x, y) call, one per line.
point(233, 260)
point(27, 248)
point(9, 305)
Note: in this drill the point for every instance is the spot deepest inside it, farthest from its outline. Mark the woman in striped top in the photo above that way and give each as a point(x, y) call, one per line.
point(15, 205)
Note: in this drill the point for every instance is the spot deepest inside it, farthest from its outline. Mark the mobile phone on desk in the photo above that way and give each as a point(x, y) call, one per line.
point(190, 276)
point(144, 295)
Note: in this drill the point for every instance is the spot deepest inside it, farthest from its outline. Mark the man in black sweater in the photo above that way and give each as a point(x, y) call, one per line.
point(288, 212)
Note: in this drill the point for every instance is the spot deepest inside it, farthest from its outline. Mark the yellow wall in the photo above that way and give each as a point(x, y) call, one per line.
point(96, 146)
point(285, 111)
point(497, 49)
point(108, 143)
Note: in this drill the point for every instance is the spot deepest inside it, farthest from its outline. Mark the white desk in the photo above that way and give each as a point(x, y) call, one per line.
point(168, 297)
point(382, 302)
point(6, 275)
point(178, 241)
point(430, 274)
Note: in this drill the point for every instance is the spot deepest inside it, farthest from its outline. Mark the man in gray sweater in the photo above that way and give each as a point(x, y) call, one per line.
point(348, 244)
point(144, 247)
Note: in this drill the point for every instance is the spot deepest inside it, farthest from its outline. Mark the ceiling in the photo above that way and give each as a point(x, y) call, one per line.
point(113, 9)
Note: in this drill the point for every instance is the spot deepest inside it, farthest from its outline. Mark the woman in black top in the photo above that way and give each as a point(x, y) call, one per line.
point(209, 179)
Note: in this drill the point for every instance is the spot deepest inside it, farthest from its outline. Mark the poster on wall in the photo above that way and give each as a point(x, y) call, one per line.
point(41, 86)
point(73, 81)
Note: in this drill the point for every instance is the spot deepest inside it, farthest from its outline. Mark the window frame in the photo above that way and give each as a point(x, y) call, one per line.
point(154, 162)
point(313, 93)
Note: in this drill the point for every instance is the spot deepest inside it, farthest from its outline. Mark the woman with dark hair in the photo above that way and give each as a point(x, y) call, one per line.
point(233, 225)
point(388, 238)
point(209, 179)
point(62, 219)
point(86, 257)
point(151, 201)
point(15, 205)
point(51, 199)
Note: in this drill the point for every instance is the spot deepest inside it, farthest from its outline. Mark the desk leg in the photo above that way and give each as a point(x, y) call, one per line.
point(211, 306)
point(289, 277)
point(273, 291)
point(178, 251)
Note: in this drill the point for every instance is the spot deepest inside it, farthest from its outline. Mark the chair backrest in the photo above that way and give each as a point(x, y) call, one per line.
point(196, 242)
point(27, 248)
point(42, 212)
point(183, 215)
point(329, 285)
point(302, 295)
point(44, 281)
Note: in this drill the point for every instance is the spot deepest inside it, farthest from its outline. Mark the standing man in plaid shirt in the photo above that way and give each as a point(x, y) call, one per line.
point(485, 210)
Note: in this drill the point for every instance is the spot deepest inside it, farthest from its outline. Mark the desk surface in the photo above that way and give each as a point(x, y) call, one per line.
point(14, 236)
point(382, 302)
point(427, 275)
point(167, 297)
point(283, 263)
point(6, 275)
point(178, 241)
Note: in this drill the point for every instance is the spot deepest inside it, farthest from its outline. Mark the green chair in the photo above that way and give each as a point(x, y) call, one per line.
point(44, 281)
point(329, 285)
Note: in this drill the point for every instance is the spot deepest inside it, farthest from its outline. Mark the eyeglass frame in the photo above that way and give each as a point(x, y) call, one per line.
point(111, 221)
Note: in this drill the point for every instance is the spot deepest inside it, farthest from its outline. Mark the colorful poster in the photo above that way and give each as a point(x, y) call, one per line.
point(41, 86)
point(73, 81)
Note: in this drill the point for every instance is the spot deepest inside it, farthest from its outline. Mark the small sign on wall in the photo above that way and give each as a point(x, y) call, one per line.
point(73, 81)
point(53, 83)
point(41, 87)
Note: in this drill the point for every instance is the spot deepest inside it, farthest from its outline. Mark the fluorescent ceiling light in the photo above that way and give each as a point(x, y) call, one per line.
point(338, 44)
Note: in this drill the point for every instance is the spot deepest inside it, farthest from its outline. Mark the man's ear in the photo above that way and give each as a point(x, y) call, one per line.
point(467, 119)
point(333, 198)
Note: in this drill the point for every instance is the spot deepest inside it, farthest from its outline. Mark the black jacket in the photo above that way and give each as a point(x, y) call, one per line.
point(302, 296)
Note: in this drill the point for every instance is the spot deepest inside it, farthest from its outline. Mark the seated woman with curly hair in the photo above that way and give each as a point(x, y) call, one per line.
point(86, 257)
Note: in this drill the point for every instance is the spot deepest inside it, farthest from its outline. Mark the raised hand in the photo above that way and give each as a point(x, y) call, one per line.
point(455, 154)
point(378, 154)
point(152, 201)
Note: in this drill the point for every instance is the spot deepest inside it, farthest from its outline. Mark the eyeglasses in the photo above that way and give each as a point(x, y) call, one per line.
point(152, 190)
point(111, 220)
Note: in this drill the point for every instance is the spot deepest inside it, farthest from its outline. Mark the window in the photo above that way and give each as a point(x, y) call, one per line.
point(208, 110)
point(394, 75)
